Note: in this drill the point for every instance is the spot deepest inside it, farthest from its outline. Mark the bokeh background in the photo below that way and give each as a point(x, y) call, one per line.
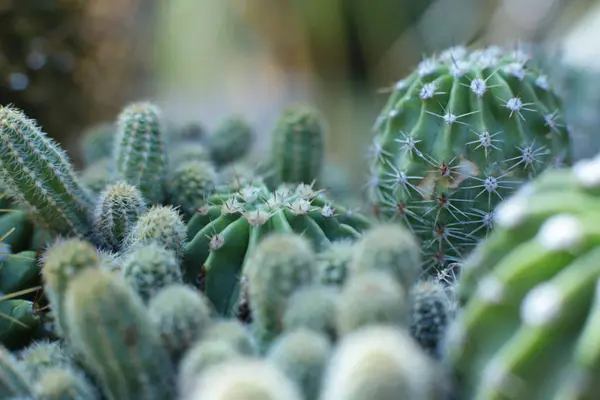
point(72, 64)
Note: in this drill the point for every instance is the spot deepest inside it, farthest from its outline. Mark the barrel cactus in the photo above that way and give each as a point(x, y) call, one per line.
point(459, 134)
point(528, 326)
point(226, 229)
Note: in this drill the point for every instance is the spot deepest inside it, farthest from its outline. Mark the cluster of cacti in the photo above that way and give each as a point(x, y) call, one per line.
point(458, 135)
point(178, 271)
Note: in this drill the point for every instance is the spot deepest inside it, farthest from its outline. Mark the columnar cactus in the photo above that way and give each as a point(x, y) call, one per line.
point(281, 264)
point(530, 291)
point(233, 223)
point(110, 326)
point(139, 152)
point(118, 208)
point(231, 140)
point(38, 174)
point(298, 146)
point(458, 135)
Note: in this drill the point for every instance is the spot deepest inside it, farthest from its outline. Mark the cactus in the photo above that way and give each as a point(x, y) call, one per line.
point(190, 183)
point(302, 355)
point(390, 248)
point(430, 314)
point(313, 307)
point(162, 225)
point(118, 208)
point(16, 229)
point(333, 262)
point(110, 326)
point(298, 146)
point(281, 264)
point(140, 153)
point(64, 384)
point(371, 298)
point(203, 355)
point(39, 175)
point(62, 261)
point(185, 152)
point(18, 272)
point(181, 315)
point(231, 140)
point(233, 223)
point(380, 363)
point(97, 142)
point(150, 268)
point(18, 321)
point(13, 381)
point(244, 379)
point(41, 356)
point(458, 135)
point(232, 332)
point(97, 176)
point(535, 278)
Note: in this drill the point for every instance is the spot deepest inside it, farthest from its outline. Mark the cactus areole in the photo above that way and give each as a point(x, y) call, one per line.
point(459, 134)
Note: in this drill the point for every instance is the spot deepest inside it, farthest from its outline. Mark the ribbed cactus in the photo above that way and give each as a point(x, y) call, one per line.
point(232, 332)
point(18, 271)
point(150, 268)
point(245, 379)
point(190, 183)
point(182, 315)
point(302, 355)
point(64, 384)
point(233, 223)
point(431, 311)
point(38, 174)
point(528, 327)
point(19, 321)
point(159, 224)
point(97, 176)
point(458, 135)
point(231, 140)
point(140, 153)
point(280, 264)
point(371, 298)
point(43, 355)
point(120, 344)
point(14, 382)
point(117, 209)
point(333, 262)
point(313, 307)
point(381, 363)
point(60, 263)
point(298, 146)
point(97, 142)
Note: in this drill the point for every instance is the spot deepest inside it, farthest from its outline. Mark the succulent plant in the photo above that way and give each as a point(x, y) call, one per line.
point(458, 135)
point(528, 324)
point(232, 224)
point(231, 140)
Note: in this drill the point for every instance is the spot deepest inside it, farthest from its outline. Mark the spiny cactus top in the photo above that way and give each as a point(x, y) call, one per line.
point(38, 174)
point(224, 232)
point(140, 152)
point(459, 134)
point(531, 294)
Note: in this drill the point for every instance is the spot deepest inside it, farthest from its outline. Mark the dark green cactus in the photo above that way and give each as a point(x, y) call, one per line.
point(97, 142)
point(458, 135)
point(140, 153)
point(14, 382)
point(298, 146)
point(39, 175)
point(231, 140)
point(110, 326)
point(190, 183)
point(313, 307)
point(233, 223)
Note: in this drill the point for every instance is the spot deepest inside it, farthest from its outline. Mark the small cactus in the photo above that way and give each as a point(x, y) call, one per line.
point(162, 225)
point(333, 262)
point(38, 174)
point(232, 332)
point(302, 355)
point(120, 344)
point(64, 384)
point(97, 142)
point(118, 208)
point(231, 140)
point(41, 356)
point(181, 315)
point(297, 146)
point(281, 264)
point(190, 183)
point(371, 298)
point(140, 153)
point(313, 307)
point(14, 382)
point(97, 176)
point(150, 268)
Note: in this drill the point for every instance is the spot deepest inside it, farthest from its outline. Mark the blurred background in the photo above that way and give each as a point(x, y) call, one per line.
point(72, 64)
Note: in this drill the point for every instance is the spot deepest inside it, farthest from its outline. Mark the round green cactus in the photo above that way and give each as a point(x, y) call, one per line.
point(529, 323)
point(458, 135)
point(189, 184)
point(231, 140)
point(232, 224)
